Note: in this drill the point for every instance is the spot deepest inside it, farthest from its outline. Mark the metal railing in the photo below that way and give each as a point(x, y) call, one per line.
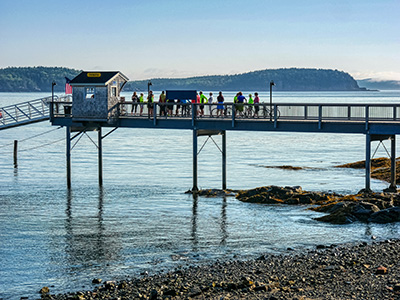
point(281, 111)
point(25, 112)
point(237, 112)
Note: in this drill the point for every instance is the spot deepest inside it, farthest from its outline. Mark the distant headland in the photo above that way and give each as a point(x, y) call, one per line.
point(39, 79)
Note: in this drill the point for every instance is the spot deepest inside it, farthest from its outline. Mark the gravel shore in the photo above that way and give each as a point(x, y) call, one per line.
point(357, 271)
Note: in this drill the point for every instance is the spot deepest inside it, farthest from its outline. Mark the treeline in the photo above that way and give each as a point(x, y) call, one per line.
point(39, 79)
point(34, 79)
point(293, 79)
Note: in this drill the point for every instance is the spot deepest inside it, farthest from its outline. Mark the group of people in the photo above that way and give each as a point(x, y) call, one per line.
point(240, 100)
point(167, 105)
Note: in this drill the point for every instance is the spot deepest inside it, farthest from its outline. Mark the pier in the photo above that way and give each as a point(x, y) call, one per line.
point(97, 104)
point(376, 122)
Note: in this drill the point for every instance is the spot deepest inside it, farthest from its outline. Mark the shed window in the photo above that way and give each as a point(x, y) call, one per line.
point(114, 91)
point(90, 92)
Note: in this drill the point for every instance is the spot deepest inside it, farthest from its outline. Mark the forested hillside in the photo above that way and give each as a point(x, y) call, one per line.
point(285, 80)
point(34, 79)
point(39, 79)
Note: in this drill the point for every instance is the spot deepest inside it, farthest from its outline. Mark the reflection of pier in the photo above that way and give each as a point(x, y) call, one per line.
point(86, 236)
point(222, 222)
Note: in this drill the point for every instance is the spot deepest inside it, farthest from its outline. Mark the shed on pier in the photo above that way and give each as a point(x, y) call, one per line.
point(95, 94)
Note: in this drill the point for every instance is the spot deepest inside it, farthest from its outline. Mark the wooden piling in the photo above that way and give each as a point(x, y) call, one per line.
point(15, 153)
point(100, 156)
point(68, 154)
point(224, 160)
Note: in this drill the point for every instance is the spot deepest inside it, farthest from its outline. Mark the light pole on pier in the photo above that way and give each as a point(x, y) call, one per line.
point(52, 95)
point(271, 83)
point(148, 86)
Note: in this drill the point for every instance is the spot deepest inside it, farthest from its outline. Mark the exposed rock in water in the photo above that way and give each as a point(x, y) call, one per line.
point(340, 209)
point(285, 167)
point(213, 193)
point(380, 168)
point(387, 215)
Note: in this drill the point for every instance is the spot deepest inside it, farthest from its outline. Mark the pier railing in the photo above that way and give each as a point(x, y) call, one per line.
point(26, 112)
point(319, 112)
point(276, 111)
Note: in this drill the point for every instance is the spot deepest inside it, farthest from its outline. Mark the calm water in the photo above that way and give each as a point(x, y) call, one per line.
point(141, 220)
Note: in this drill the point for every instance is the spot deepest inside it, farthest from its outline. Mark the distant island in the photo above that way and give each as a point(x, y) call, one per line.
point(293, 79)
point(39, 79)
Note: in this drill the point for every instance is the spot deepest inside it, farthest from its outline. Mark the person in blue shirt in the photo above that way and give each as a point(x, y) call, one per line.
point(240, 103)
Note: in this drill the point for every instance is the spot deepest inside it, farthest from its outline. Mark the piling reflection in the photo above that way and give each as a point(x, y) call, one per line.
point(202, 228)
point(15, 173)
point(194, 236)
point(223, 223)
point(88, 240)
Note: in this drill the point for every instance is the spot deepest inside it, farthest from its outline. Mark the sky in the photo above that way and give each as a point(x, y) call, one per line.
point(181, 38)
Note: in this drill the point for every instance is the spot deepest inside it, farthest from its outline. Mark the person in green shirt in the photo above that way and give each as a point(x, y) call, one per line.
point(203, 100)
point(250, 106)
point(141, 101)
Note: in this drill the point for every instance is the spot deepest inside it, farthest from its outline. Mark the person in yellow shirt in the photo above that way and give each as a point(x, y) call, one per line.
point(203, 100)
point(141, 101)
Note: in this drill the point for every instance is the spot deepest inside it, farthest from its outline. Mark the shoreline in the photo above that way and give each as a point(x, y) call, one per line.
point(358, 271)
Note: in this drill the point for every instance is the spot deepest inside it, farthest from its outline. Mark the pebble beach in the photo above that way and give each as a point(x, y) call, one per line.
point(355, 271)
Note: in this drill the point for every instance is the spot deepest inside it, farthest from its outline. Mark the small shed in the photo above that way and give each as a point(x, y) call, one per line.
point(95, 94)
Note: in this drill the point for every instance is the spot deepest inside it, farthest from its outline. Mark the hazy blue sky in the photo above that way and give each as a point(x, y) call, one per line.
point(161, 38)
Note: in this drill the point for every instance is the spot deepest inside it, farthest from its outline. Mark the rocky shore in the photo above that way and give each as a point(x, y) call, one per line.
point(360, 271)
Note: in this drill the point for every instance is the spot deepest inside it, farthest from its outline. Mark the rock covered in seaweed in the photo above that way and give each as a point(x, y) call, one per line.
point(340, 209)
point(282, 195)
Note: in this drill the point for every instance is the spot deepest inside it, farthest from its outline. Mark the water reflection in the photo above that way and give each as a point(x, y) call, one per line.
point(194, 236)
point(221, 232)
point(16, 174)
point(88, 240)
point(223, 223)
point(368, 230)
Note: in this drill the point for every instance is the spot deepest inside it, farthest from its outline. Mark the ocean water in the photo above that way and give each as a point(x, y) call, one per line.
point(142, 221)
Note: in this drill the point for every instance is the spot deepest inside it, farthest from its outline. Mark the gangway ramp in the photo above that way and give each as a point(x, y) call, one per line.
point(28, 112)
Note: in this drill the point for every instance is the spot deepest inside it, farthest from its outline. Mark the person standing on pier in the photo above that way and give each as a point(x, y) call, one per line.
point(150, 99)
point(220, 106)
point(135, 100)
point(240, 103)
point(203, 100)
point(256, 104)
point(210, 101)
point(141, 101)
point(161, 100)
point(250, 107)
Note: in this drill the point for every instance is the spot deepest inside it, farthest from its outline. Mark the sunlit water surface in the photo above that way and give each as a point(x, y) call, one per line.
point(141, 220)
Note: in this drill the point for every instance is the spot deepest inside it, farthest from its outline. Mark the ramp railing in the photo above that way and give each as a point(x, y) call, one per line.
point(26, 112)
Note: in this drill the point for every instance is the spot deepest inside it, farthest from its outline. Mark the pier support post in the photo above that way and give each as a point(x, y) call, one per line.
point(195, 188)
point(15, 153)
point(100, 156)
point(68, 153)
point(392, 186)
point(368, 163)
point(223, 133)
